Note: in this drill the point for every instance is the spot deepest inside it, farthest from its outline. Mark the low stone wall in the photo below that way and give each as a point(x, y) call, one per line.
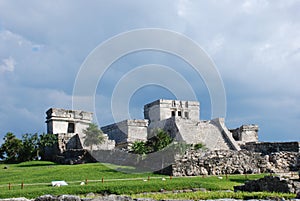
point(271, 147)
point(195, 162)
point(74, 156)
point(270, 184)
point(284, 161)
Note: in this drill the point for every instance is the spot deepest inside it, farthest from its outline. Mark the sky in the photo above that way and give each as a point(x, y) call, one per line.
point(254, 44)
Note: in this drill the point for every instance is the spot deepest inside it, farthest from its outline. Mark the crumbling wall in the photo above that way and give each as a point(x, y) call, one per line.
point(245, 133)
point(106, 144)
point(128, 131)
point(218, 162)
point(270, 147)
point(270, 184)
point(67, 141)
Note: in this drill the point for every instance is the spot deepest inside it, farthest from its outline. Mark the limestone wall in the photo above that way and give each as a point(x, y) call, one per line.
point(233, 162)
point(117, 132)
point(245, 133)
point(67, 121)
point(164, 109)
point(127, 131)
point(269, 147)
point(68, 141)
point(107, 144)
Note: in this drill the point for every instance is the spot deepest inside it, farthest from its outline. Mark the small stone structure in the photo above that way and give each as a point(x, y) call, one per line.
point(245, 133)
point(67, 121)
point(126, 132)
point(68, 125)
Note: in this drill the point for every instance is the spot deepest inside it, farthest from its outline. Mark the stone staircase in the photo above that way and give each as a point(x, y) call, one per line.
point(213, 134)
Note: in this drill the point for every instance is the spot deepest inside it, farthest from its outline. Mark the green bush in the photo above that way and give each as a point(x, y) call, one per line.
point(199, 146)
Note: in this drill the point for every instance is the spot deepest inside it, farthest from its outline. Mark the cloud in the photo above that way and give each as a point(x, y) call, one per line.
point(8, 65)
point(22, 109)
point(250, 6)
point(255, 45)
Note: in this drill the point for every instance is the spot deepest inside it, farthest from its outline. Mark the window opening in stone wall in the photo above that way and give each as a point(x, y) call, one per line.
point(179, 113)
point(186, 115)
point(173, 104)
point(186, 104)
point(71, 128)
point(173, 113)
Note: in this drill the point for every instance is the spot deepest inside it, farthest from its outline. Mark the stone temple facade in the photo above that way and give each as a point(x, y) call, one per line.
point(68, 125)
point(181, 119)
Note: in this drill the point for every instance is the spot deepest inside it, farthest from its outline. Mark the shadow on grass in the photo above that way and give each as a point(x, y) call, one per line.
point(36, 165)
point(238, 180)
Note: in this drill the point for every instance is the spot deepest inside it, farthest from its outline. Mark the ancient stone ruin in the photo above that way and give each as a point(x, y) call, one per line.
point(181, 119)
point(222, 162)
point(68, 125)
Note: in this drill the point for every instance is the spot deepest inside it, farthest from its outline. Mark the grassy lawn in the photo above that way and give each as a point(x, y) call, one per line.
point(216, 195)
point(37, 177)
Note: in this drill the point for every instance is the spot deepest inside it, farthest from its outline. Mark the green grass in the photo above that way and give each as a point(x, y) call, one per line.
point(215, 195)
point(37, 177)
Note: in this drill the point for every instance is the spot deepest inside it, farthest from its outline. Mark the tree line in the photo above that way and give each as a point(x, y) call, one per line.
point(29, 147)
point(32, 146)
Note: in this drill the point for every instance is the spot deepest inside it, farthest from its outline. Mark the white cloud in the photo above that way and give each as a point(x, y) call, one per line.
point(216, 44)
point(8, 65)
point(250, 6)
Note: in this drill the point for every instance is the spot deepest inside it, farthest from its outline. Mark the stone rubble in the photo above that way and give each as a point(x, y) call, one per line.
point(221, 162)
point(270, 184)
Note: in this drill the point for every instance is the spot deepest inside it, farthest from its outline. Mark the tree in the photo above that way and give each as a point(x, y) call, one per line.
point(156, 143)
point(45, 140)
point(30, 147)
point(160, 140)
point(94, 136)
point(139, 147)
point(11, 148)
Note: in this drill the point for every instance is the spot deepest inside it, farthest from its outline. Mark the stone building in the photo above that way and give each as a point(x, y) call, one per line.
point(164, 109)
point(181, 119)
point(127, 132)
point(68, 125)
point(67, 121)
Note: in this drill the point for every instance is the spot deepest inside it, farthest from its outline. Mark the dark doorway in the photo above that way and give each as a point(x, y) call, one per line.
point(179, 113)
point(71, 128)
point(173, 113)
